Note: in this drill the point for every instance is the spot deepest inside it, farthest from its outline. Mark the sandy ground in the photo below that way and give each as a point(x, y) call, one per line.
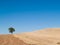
point(10, 40)
point(50, 36)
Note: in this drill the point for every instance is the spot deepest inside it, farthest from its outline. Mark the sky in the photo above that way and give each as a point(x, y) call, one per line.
point(29, 15)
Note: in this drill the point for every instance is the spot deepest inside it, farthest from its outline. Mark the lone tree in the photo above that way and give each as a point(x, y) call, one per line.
point(11, 30)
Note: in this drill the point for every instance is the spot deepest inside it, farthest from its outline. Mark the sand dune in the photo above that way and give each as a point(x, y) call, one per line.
point(50, 36)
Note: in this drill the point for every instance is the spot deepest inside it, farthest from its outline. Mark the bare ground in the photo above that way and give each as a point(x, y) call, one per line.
point(50, 36)
point(10, 40)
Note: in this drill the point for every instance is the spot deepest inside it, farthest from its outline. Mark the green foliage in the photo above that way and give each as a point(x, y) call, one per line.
point(11, 30)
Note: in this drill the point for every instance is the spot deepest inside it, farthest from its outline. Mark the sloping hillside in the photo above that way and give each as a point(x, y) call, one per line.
point(10, 40)
point(50, 36)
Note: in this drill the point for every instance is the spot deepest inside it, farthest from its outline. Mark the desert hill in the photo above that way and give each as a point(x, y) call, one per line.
point(50, 36)
point(10, 40)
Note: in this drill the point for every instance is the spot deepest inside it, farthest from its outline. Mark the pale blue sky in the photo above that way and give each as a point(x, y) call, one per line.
point(26, 16)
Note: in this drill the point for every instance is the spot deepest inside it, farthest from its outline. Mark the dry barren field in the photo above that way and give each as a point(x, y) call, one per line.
point(10, 40)
point(50, 36)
